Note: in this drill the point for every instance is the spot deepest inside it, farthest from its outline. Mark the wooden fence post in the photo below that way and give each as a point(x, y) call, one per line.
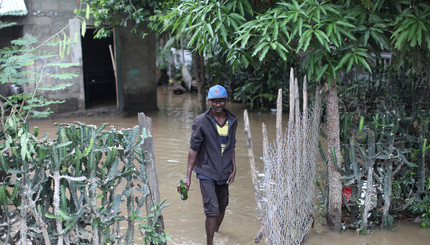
point(253, 174)
point(151, 170)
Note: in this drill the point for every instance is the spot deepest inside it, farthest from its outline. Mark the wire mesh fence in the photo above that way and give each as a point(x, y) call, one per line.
point(288, 186)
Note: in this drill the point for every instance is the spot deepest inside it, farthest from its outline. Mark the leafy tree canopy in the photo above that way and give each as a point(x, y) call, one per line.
point(331, 36)
point(133, 13)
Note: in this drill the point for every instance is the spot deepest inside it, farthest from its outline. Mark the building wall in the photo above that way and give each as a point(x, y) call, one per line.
point(138, 71)
point(46, 18)
point(137, 57)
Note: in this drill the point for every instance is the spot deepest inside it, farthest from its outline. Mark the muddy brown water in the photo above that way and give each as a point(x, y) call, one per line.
point(184, 220)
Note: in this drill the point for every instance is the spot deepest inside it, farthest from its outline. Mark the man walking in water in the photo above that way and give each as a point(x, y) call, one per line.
point(212, 157)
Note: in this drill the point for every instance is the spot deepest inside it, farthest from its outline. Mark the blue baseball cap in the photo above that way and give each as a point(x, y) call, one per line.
point(217, 92)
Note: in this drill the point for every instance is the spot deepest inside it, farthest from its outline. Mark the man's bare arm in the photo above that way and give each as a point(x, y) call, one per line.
point(192, 155)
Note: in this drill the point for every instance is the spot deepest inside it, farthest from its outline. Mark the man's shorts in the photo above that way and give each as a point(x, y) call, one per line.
point(215, 197)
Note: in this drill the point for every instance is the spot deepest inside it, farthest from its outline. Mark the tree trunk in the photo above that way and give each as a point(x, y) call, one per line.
point(199, 71)
point(333, 142)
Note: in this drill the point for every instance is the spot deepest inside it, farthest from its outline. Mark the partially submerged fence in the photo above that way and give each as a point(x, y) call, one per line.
point(286, 194)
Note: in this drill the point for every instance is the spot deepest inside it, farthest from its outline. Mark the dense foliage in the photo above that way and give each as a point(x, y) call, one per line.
point(70, 189)
point(383, 168)
point(136, 14)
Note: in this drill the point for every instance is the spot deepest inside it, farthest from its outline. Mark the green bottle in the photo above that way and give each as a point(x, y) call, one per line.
point(184, 193)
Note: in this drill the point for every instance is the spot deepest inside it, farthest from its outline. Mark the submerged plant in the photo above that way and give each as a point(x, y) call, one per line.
point(379, 169)
point(422, 207)
point(150, 225)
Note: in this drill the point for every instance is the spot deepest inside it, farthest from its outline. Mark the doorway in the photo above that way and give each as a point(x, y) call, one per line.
point(99, 77)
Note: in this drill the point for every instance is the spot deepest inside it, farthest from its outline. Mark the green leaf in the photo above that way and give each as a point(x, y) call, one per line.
point(62, 65)
point(320, 40)
point(264, 52)
point(399, 40)
point(361, 124)
point(223, 32)
point(282, 51)
point(322, 72)
point(300, 26)
point(83, 28)
point(237, 17)
point(209, 29)
point(419, 35)
point(347, 33)
point(333, 155)
point(366, 37)
point(303, 39)
point(88, 149)
point(244, 38)
point(64, 43)
point(275, 30)
point(273, 45)
point(3, 164)
point(51, 216)
point(351, 62)
point(87, 12)
point(63, 215)
point(177, 23)
point(364, 63)
point(343, 61)
point(244, 60)
point(259, 47)
point(219, 12)
point(346, 24)
point(64, 75)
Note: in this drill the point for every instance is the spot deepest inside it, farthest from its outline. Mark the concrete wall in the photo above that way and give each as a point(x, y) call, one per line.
point(138, 71)
point(137, 57)
point(46, 18)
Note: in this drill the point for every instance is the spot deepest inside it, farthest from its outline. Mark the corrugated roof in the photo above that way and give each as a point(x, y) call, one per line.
point(13, 7)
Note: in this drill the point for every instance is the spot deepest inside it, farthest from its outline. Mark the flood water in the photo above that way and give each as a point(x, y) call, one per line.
point(184, 220)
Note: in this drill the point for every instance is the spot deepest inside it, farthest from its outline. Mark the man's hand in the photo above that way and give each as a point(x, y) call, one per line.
point(187, 183)
point(231, 177)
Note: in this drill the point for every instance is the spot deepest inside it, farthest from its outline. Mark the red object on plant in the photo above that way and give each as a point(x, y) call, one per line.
point(347, 192)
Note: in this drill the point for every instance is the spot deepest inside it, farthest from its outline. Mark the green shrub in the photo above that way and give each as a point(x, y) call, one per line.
point(421, 207)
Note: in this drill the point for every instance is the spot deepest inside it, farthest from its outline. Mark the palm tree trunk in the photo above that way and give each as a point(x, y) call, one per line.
point(333, 142)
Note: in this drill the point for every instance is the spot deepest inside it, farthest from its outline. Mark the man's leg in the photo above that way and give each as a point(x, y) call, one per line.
point(219, 219)
point(211, 208)
point(215, 200)
point(211, 224)
point(222, 196)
